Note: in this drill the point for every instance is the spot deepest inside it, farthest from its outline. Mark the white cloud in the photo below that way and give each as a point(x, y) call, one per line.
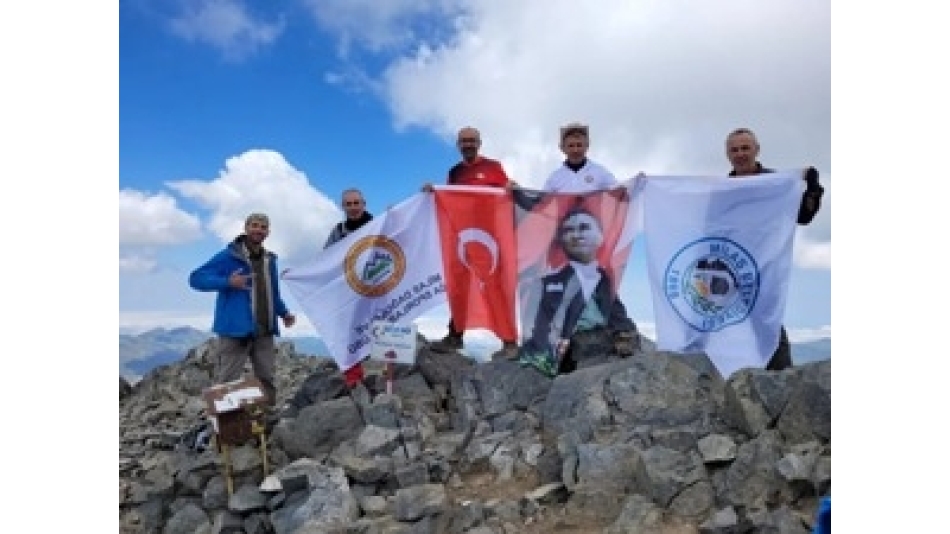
point(255, 181)
point(377, 25)
point(263, 181)
point(154, 220)
point(812, 255)
point(659, 83)
point(136, 264)
point(803, 335)
point(226, 25)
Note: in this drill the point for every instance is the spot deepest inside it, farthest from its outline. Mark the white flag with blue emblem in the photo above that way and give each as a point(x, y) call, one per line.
point(389, 270)
point(719, 255)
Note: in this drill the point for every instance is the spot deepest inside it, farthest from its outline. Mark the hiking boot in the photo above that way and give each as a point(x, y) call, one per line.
point(451, 342)
point(509, 351)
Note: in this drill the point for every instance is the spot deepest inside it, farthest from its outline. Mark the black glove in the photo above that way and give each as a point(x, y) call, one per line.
point(811, 198)
point(811, 179)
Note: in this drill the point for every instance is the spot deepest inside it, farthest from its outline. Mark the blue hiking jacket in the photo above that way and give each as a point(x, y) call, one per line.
point(823, 521)
point(233, 310)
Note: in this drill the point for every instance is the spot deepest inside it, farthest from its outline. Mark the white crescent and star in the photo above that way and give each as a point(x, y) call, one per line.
point(477, 235)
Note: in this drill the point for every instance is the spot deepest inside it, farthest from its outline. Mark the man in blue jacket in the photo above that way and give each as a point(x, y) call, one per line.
point(248, 304)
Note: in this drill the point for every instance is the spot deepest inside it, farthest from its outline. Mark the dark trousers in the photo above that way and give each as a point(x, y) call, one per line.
point(452, 331)
point(782, 358)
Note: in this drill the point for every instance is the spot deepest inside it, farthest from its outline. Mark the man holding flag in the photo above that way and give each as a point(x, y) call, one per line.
point(387, 270)
point(354, 206)
point(578, 183)
point(481, 292)
point(742, 149)
point(719, 254)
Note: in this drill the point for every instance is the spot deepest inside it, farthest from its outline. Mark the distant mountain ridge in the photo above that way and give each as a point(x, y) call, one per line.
point(140, 353)
point(811, 351)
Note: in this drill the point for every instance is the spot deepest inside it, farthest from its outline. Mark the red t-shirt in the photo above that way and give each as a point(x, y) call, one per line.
point(482, 171)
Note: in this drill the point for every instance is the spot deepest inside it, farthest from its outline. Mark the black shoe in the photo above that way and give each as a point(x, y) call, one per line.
point(449, 343)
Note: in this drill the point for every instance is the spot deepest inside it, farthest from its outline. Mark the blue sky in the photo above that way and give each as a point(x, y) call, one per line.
point(228, 107)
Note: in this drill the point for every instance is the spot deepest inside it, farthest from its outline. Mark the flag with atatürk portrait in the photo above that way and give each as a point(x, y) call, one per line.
point(560, 292)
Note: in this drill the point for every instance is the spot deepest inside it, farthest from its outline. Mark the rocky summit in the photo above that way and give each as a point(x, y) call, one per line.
point(651, 443)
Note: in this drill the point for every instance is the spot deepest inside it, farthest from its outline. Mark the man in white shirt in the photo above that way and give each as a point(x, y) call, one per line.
point(578, 174)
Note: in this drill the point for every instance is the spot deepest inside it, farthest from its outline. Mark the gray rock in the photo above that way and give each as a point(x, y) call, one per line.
point(411, 504)
point(652, 443)
point(189, 520)
point(319, 428)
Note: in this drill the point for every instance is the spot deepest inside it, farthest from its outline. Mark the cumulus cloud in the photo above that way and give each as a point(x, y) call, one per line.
point(661, 85)
point(263, 181)
point(154, 219)
point(226, 25)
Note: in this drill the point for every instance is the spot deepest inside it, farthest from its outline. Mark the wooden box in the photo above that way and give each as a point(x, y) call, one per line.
point(232, 408)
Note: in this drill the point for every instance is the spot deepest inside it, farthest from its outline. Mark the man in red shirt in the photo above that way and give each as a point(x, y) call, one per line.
point(474, 169)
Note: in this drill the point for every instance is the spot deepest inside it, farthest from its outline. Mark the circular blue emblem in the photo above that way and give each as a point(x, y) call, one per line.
point(712, 283)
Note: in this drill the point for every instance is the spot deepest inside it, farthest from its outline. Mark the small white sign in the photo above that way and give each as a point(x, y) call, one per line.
point(225, 404)
point(393, 342)
point(232, 401)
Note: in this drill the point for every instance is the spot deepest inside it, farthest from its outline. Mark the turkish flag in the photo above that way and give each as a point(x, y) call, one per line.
point(479, 257)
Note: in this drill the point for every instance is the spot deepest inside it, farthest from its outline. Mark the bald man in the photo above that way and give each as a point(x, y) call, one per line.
point(474, 169)
point(742, 150)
